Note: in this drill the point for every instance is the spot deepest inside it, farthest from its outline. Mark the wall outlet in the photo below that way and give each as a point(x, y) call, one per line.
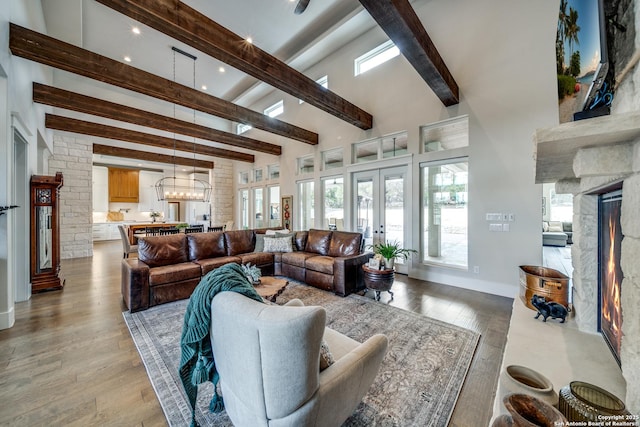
point(476, 269)
point(512, 217)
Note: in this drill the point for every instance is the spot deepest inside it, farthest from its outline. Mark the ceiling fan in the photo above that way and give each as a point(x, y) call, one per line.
point(301, 6)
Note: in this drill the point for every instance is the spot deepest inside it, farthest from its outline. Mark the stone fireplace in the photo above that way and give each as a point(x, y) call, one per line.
point(599, 155)
point(610, 277)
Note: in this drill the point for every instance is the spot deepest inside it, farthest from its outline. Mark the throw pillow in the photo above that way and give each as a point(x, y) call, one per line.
point(277, 244)
point(555, 226)
point(259, 243)
point(545, 226)
point(273, 232)
point(326, 358)
point(291, 235)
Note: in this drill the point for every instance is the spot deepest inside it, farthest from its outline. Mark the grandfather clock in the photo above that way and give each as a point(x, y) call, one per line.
point(45, 233)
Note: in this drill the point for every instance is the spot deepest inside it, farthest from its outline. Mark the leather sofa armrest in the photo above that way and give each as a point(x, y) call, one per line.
point(135, 284)
point(347, 273)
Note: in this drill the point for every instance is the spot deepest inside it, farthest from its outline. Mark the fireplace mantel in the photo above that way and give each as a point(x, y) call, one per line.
point(557, 146)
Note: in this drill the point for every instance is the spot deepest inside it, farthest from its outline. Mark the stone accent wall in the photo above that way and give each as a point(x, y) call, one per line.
point(222, 192)
point(73, 157)
point(584, 256)
point(595, 168)
point(630, 350)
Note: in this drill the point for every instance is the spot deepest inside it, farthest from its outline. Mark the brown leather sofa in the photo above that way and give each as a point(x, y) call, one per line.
point(169, 267)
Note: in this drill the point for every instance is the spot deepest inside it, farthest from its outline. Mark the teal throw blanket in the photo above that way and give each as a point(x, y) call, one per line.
point(196, 364)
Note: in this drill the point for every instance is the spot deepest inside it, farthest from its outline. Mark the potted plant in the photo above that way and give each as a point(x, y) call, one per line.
point(180, 226)
point(390, 251)
point(154, 215)
point(252, 272)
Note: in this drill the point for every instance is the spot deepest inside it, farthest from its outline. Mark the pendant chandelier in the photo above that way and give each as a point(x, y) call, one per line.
point(175, 189)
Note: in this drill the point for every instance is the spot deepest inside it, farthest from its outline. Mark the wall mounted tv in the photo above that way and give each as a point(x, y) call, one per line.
point(582, 60)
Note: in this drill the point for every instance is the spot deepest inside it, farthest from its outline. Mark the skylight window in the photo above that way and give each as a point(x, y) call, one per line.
point(375, 57)
point(275, 110)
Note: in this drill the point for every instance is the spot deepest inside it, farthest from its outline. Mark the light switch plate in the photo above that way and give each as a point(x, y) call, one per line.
point(495, 227)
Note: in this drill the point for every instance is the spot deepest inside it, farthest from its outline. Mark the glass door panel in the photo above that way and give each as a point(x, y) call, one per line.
point(258, 207)
point(393, 220)
point(244, 209)
point(380, 211)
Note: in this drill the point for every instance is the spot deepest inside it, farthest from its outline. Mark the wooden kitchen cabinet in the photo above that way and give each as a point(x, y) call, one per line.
point(123, 185)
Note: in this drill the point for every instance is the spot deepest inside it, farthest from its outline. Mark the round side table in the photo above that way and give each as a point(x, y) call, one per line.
point(378, 280)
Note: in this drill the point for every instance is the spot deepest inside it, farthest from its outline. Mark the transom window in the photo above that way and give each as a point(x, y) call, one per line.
point(275, 110)
point(273, 171)
point(375, 57)
point(332, 159)
point(445, 135)
point(380, 148)
point(306, 164)
point(242, 128)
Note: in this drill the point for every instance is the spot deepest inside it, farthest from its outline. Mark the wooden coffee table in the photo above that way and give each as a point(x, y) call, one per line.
point(270, 287)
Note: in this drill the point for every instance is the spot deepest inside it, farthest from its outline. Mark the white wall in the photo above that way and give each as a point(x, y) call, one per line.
point(16, 110)
point(502, 55)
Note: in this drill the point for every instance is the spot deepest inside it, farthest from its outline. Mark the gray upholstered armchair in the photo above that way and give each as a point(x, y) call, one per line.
point(268, 360)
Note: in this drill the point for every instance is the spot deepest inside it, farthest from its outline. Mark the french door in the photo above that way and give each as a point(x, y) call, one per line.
point(379, 207)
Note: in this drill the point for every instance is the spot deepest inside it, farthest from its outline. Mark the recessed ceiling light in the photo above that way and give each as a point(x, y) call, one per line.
point(135, 30)
point(221, 69)
point(127, 59)
point(249, 40)
point(204, 87)
point(139, 164)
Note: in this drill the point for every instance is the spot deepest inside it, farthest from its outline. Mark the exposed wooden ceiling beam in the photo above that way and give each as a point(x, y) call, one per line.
point(49, 51)
point(67, 124)
point(191, 27)
point(127, 153)
point(61, 98)
point(398, 19)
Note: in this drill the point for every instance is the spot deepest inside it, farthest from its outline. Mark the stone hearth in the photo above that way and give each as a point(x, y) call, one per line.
point(603, 151)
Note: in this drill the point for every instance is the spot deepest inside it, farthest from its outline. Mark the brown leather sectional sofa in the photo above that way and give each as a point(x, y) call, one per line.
point(169, 267)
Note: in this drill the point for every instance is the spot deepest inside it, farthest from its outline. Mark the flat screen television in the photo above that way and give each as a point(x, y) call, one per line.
point(582, 58)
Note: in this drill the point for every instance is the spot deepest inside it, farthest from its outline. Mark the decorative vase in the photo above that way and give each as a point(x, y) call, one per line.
point(503, 421)
point(520, 379)
point(527, 411)
point(389, 263)
point(580, 401)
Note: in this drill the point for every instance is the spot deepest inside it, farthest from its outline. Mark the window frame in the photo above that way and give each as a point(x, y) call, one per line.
point(275, 110)
point(385, 48)
point(323, 184)
point(300, 161)
point(424, 236)
point(242, 128)
point(300, 208)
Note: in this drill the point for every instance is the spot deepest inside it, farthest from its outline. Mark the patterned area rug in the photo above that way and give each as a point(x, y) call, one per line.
point(417, 385)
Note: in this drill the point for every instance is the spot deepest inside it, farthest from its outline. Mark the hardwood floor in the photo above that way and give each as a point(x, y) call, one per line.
point(558, 258)
point(69, 359)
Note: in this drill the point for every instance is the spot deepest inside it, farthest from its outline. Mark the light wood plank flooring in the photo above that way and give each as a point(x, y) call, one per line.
point(558, 258)
point(69, 359)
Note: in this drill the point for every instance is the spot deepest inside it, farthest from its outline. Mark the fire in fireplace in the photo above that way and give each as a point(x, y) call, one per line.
point(610, 322)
